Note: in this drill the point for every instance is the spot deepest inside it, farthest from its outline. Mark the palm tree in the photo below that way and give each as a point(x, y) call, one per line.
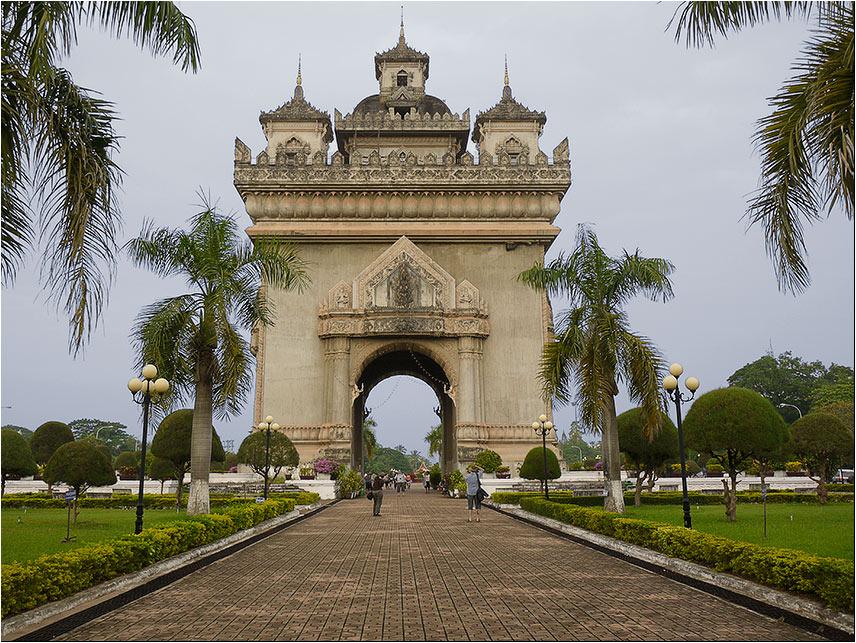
point(193, 338)
point(434, 438)
point(58, 178)
point(593, 349)
point(806, 144)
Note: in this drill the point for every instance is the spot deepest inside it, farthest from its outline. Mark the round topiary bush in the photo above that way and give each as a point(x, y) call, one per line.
point(48, 438)
point(488, 460)
point(533, 465)
point(126, 459)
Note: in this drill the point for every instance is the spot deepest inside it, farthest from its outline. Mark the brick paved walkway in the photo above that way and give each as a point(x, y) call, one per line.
point(421, 572)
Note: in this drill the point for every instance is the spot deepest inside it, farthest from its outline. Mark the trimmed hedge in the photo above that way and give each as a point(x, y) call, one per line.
point(830, 579)
point(673, 498)
point(55, 576)
point(129, 501)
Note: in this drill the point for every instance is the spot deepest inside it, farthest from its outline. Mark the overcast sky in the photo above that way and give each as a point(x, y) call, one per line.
point(661, 158)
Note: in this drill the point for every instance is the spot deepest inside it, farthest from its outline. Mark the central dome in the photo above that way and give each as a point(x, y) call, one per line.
point(425, 104)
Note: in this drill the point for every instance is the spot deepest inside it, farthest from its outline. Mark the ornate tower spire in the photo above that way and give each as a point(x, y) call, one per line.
point(401, 33)
point(506, 89)
point(298, 89)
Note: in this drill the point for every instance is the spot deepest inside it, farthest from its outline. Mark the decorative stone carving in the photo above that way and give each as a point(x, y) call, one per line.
point(560, 152)
point(242, 152)
point(467, 159)
point(467, 295)
point(430, 285)
point(262, 158)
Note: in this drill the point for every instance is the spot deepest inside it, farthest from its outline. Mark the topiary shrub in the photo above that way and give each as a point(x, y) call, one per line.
point(49, 437)
point(16, 455)
point(533, 465)
point(172, 442)
point(488, 460)
point(819, 439)
point(230, 461)
point(80, 466)
point(126, 459)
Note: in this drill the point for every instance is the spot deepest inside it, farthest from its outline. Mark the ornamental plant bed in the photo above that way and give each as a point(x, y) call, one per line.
point(830, 579)
point(796, 474)
point(55, 576)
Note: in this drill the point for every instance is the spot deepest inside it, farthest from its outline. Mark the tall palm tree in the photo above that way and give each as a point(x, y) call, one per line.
point(58, 177)
point(806, 144)
point(193, 338)
point(593, 349)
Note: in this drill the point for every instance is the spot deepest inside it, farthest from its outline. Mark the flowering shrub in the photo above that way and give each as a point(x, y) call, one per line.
point(233, 469)
point(328, 466)
point(598, 466)
point(794, 466)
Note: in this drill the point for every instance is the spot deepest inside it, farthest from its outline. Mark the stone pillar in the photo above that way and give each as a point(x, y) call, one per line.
point(357, 438)
point(337, 392)
point(449, 458)
point(470, 396)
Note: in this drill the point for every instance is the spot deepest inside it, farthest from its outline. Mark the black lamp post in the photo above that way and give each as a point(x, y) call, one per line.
point(670, 383)
point(543, 427)
point(268, 425)
point(142, 391)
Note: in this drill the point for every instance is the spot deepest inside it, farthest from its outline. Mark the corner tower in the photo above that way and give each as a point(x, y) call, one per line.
point(414, 247)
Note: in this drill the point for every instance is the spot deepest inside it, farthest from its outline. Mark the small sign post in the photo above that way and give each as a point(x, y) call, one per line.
point(70, 495)
point(260, 500)
point(764, 498)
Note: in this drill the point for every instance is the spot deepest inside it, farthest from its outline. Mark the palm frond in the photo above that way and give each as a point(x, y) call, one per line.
point(640, 368)
point(156, 249)
point(809, 134)
point(233, 381)
point(75, 179)
point(637, 274)
point(163, 335)
point(699, 22)
point(157, 26)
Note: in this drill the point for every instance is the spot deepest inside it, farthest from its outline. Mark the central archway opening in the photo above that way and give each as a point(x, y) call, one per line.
point(402, 410)
point(407, 360)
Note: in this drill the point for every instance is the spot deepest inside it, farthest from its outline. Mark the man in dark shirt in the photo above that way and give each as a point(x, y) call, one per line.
point(377, 491)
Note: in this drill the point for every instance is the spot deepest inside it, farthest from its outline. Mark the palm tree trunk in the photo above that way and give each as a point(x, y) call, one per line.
point(200, 441)
point(614, 500)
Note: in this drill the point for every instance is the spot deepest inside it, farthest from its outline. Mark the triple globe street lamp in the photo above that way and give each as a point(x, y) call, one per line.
point(543, 427)
point(142, 391)
point(268, 425)
point(670, 383)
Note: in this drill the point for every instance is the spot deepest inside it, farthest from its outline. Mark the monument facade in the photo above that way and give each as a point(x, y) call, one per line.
point(413, 246)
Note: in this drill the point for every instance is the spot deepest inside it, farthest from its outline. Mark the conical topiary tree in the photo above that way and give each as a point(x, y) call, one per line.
point(533, 465)
point(16, 455)
point(161, 470)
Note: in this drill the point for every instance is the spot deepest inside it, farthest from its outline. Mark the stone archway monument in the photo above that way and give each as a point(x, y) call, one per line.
point(413, 249)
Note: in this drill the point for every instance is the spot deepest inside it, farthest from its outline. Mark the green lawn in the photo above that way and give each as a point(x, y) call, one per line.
point(822, 530)
point(41, 531)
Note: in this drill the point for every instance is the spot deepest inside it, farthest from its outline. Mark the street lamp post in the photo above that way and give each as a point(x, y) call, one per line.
point(142, 391)
point(793, 406)
point(267, 426)
point(543, 427)
point(670, 383)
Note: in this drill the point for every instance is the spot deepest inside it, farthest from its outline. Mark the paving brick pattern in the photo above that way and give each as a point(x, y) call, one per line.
point(421, 572)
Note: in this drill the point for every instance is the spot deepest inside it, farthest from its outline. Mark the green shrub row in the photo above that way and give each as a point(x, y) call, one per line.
point(673, 498)
point(124, 501)
point(840, 487)
point(830, 579)
point(55, 576)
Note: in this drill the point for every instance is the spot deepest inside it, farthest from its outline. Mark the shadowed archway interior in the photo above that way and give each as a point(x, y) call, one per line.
point(405, 361)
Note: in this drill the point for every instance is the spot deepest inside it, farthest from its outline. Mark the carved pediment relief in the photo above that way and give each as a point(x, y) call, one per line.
point(404, 277)
point(403, 292)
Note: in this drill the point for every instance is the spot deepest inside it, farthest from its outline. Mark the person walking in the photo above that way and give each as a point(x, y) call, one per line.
point(400, 482)
point(473, 478)
point(377, 493)
point(426, 476)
